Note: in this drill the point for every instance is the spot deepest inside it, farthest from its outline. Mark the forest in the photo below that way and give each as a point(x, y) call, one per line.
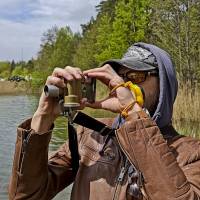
point(171, 24)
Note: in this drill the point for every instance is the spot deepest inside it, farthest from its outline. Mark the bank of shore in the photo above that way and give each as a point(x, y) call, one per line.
point(14, 88)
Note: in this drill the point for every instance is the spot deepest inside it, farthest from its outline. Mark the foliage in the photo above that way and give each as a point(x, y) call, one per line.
point(30, 65)
point(128, 26)
point(62, 46)
point(5, 74)
point(172, 25)
point(4, 65)
point(104, 31)
point(38, 80)
point(12, 66)
point(84, 56)
point(20, 71)
point(4, 69)
point(46, 49)
point(56, 50)
point(107, 7)
point(175, 27)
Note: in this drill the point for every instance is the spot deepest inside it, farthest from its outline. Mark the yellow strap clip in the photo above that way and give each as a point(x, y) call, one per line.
point(135, 89)
point(124, 112)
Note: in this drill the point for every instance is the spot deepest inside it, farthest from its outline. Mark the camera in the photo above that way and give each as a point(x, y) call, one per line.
point(74, 92)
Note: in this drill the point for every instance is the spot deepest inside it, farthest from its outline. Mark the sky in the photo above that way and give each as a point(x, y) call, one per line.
point(22, 23)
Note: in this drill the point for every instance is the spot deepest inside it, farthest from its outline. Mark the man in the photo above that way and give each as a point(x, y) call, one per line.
point(144, 159)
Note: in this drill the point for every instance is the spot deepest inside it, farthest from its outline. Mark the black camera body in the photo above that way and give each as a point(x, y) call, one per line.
point(88, 88)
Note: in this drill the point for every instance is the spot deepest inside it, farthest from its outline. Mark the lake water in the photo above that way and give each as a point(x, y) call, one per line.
point(14, 110)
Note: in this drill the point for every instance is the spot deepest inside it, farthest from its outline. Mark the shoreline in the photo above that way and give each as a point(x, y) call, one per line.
point(16, 88)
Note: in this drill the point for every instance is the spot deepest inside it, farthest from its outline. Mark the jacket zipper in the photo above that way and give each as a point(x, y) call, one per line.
point(24, 145)
point(127, 156)
point(125, 152)
point(120, 179)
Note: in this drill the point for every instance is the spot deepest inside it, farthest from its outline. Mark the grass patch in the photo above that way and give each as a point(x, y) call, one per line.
point(187, 109)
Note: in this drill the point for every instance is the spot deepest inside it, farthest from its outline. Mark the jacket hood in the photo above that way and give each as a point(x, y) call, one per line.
point(168, 85)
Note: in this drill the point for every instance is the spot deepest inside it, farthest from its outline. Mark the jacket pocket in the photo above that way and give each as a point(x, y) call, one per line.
point(93, 153)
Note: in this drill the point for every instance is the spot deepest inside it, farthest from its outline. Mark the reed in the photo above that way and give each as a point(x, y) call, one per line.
point(187, 110)
point(14, 88)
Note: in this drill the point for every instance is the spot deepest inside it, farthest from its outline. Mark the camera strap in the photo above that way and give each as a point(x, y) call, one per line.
point(91, 123)
point(73, 147)
point(88, 122)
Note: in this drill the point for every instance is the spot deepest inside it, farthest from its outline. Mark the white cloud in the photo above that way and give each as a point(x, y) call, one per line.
point(22, 23)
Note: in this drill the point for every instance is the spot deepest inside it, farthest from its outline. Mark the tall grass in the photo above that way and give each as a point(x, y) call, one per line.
point(186, 115)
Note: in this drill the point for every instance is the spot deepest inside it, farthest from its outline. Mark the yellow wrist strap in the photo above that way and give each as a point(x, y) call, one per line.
point(135, 89)
point(124, 112)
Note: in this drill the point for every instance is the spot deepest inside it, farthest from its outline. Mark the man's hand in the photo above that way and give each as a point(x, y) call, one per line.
point(49, 108)
point(120, 99)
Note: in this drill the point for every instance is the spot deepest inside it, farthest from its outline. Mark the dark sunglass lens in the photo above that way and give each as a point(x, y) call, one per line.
point(136, 77)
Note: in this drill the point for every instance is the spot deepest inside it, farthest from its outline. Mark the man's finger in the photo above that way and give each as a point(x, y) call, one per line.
point(98, 69)
point(100, 75)
point(75, 72)
point(52, 80)
point(59, 72)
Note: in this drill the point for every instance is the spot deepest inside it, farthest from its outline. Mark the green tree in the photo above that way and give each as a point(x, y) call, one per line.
point(103, 39)
point(175, 27)
point(20, 71)
point(4, 69)
point(61, 55)
point(84, 57)
point(106, 7)
point(30, 65)
point(46, 49)
point(128, 26)
point(12, 66)
point(172, 25)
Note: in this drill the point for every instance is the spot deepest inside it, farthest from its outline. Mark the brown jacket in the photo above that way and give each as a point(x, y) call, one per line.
point(170, 167)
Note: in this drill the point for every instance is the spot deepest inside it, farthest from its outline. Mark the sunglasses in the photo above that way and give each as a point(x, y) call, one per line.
point(137, 77)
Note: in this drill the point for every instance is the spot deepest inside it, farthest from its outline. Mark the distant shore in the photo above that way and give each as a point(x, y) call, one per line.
point(14, 88)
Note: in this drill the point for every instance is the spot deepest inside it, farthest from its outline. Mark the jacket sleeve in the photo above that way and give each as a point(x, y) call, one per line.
point(34, 176)
point(142, 142)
